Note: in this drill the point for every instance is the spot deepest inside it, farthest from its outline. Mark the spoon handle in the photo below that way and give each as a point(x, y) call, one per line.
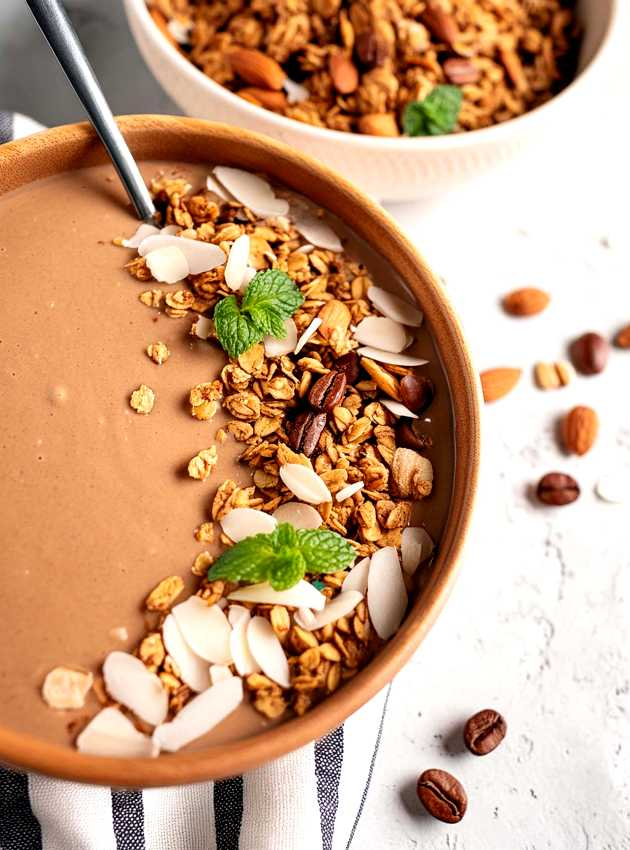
point(62, 38)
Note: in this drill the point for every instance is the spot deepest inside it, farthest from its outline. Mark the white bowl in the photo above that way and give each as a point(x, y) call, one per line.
point(399, 169)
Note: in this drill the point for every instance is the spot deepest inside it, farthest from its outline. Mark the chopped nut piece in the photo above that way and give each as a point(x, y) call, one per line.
point(205, 532)
point(203, 463)
point(151, 651)
point(65, 688)
point(202, 562)
point(162, 597)
point(204, 400)
point(142, 399)
point(158, 352)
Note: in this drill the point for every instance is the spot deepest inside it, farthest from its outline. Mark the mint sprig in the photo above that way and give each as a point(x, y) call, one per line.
point(283, 556)
point(436, 115)
point(270, 298)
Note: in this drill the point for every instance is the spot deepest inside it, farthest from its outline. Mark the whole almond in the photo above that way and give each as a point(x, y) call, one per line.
point(622, 337)
point(257, 69)
point(525, 302)
point(497, 383)
point(440, 23)
point(379, 124)
point(579, 430)
point(335, 316)
point(275, 100)
point(460, 71)
point(343, 73)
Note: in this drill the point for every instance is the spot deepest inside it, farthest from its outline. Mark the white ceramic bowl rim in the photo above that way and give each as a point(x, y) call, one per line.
point(453, 141)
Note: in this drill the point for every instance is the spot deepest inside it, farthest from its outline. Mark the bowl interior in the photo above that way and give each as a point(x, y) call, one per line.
point(164, 138)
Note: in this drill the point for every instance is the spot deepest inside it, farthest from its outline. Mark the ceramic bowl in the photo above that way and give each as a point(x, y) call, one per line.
point(399, 169)
point(189, 140)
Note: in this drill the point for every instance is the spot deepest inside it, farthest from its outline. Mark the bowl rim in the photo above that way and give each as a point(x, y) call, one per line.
point(75, 145)
point(496, 133)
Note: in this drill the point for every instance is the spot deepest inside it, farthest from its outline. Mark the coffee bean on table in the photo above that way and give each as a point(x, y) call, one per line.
point(327, 392)
point(484, 731)
point(556, 488)
point(416, 392)
point(442, 795)
point(349, 365)
point(305, 432)
point(589, 353)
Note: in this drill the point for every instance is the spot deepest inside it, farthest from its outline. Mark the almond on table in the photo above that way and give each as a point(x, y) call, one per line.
point(525, 302)
point(497, 383)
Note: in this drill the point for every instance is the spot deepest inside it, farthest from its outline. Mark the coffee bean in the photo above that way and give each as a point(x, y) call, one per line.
point(556, 488)
point(460, 71)
point(416, 392)
point(442, 795)
point(327, 391)
point(590, 353)
point(305, 432)
point(371, 50)
point(349, 365)
point(406, 438)
point(484, 731)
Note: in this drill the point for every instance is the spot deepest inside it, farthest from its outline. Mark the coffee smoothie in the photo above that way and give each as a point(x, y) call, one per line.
point(227, 458)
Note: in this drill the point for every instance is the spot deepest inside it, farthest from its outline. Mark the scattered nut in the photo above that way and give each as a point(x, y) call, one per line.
point(579, 430)
point(158, 352)
point(525, 302)
point(142, 399)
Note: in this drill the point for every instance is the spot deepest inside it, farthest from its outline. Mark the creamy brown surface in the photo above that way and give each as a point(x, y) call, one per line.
point(96, 503)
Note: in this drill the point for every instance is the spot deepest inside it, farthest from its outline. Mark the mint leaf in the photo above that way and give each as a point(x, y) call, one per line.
point(435, 115)
point(236, 332)
point(324, 551)
point(286, 568)
point(272, 291)
point(268, 321)
point(285, 535)
point(249, 560)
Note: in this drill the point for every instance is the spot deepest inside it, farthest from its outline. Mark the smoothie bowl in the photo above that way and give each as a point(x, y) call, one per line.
point(240, 452)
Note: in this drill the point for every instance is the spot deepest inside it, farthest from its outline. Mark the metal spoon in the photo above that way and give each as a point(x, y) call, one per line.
point(60, 34)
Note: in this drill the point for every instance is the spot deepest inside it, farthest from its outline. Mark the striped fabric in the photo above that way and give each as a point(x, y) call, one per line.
point(311, 799)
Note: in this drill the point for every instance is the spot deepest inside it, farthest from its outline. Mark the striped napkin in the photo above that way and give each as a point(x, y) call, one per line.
point(311, 799)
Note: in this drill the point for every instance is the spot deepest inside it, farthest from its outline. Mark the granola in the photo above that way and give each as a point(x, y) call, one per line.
point(354, 66)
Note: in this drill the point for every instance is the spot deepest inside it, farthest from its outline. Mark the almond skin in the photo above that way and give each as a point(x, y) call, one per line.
point(343, 73)
point(497, 383)
point(275, 100)
point(525, 302)
point(622, 337)
point(579, 430)
point(379, 124)
point(257, 69)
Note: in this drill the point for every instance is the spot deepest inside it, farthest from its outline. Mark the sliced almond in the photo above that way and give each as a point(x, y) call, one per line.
point(141, 233)
point(394, 307)
point(391, 358)
point(240, 523)
point(387, 596)
point(296, 92)
point(193, 669)
point(305, 483)
point(200, 256)
point(382, 333)
point(301, 595)
point(203, 327)
point(357, 578)
point(205, 629)
point(167, 264)
point(252, 191)
point(317, 232)
point(397, 408)
point(298, 514)
point(65, 688)
point(112, 734)
point(267, 650)
point(242, 657)
point(237, 261)
point(614, 487)
point(278, 347)
point(307, 334)
point(342, 605)
point(200, 715)
point(129, 682)
point(350, 490)
point(169, 230)
point(219, 673)
point(179, 30)
point(416, 546)
point(236, 613)
point(213, 185)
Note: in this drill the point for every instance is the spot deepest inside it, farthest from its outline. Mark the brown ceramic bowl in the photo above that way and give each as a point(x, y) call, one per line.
point(184, 139)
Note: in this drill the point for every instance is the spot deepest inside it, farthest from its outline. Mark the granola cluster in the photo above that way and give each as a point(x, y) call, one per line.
point(263, 396)
point(358, 64)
